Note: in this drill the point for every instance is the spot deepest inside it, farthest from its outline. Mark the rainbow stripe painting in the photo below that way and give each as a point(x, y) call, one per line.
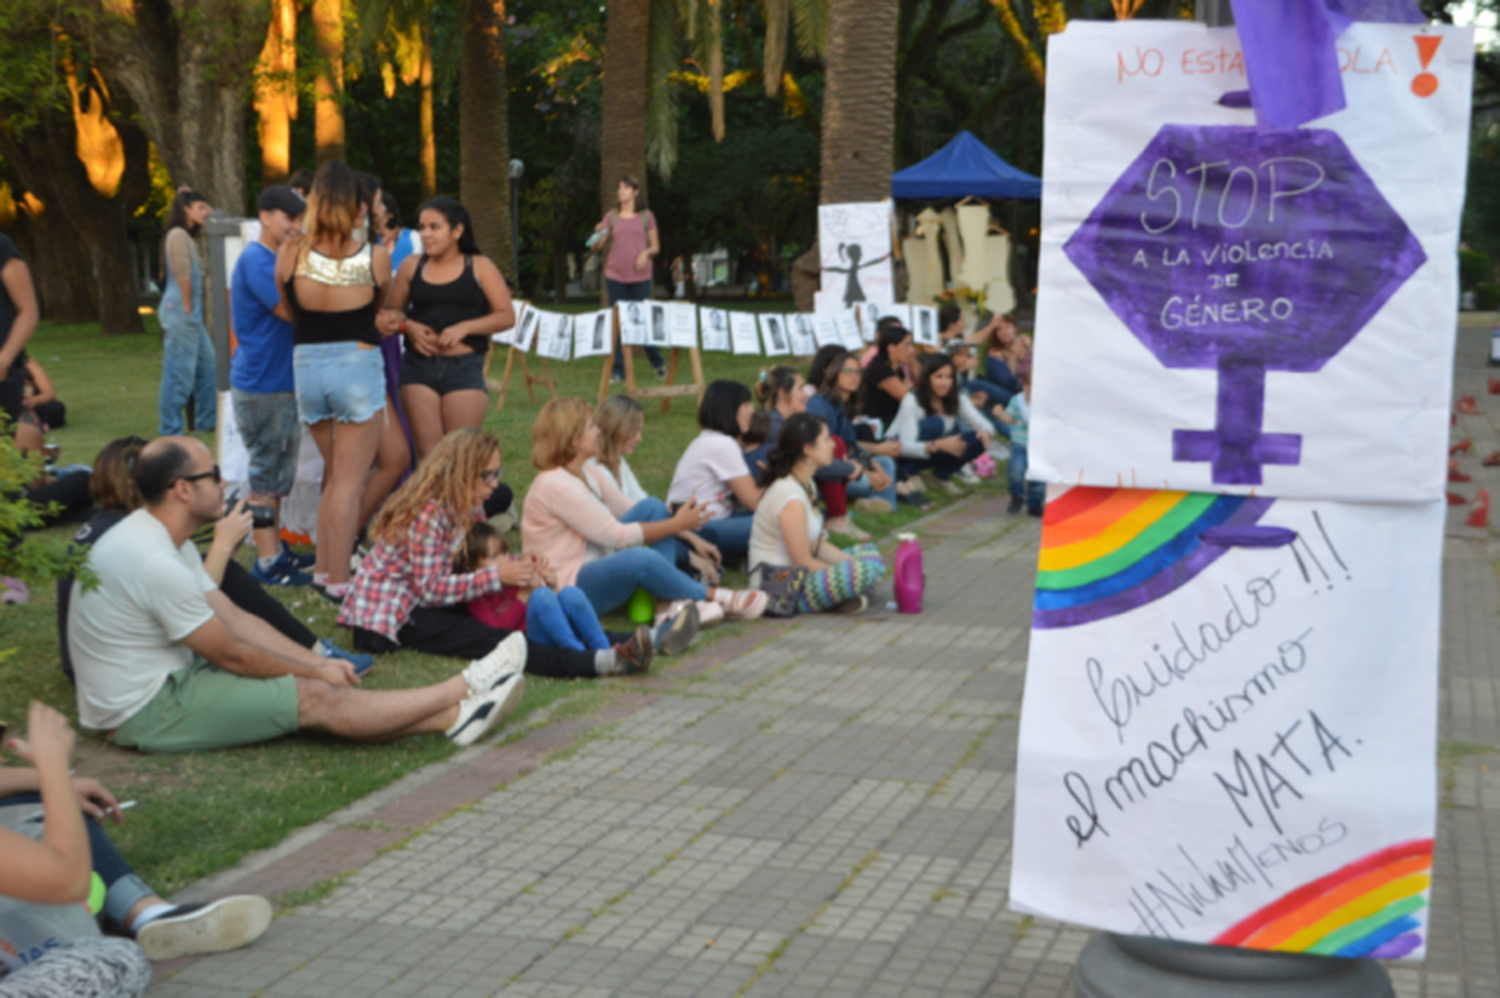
point(1109, 551)
point(1367, 908)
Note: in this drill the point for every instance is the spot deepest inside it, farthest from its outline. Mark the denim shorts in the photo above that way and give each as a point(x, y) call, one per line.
point(343, 381)
point(463, 372)
point(267, 422)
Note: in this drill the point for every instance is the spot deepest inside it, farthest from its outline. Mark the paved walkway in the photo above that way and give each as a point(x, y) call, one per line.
point(817, 808)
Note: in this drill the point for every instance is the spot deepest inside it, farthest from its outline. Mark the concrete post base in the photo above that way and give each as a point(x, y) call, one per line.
point(1115, 966)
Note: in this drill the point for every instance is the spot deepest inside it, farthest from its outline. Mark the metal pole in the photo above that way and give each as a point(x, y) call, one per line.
point(1120, 966)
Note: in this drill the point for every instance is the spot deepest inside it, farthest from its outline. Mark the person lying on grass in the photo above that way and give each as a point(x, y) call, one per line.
point(166, 663)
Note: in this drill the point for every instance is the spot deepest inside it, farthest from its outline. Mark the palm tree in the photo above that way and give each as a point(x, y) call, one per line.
point(328, 85)
point(859, 100)
point(622, 139)
point(398, 33)
point(484, 131)
point(276, 91)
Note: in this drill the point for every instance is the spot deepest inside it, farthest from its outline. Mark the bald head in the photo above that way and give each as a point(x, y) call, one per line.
point(164, 462)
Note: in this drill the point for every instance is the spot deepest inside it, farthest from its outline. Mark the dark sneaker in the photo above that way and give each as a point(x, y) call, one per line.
point(362, 663)
point(190, 929)
point(673, 635)
point(633, 655)
point(281, 573)
point(1015, 505)
point(298, 560)
point(661, 371)
point(336, 598)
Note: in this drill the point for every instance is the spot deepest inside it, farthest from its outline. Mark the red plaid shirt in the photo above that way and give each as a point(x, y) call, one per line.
point(395, 578)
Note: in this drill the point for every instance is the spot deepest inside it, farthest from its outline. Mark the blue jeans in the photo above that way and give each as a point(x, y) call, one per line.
point(650, 510)
point(187, 368)
point(122, 888)
point(731, 535)
point(943, 464)
point(564, 620)
point(1035, 493)
point(635, 291)
point(862, 488)
point(610, 581)
point(997, 396)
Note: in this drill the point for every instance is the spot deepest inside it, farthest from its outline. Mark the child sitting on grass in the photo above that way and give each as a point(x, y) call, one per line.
point(562, 619)
point(1017, 414)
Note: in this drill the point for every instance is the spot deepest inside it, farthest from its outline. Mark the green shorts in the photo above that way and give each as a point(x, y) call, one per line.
point(201, 706)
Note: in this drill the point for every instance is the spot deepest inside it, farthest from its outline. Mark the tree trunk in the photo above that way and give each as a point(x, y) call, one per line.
point(484, 132)
point(46, 159)
point(328, 112)
point(859, 101)
point(425, 128)
point(622, 140)
point(276, 92)
point(190, 77)
point(63, 277)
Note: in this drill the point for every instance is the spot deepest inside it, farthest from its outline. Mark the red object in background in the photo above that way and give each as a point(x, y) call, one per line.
point(1462, 447)
point(1492, 461)
point(1454, 499)
point(1495, 386)
point(1454, 475)
point(1479, 513)
point(1467, 405)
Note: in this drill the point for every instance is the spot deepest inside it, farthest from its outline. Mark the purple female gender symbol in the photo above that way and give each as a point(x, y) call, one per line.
point(1244, 252)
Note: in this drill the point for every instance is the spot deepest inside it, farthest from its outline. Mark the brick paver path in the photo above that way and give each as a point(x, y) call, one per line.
point(821, 808)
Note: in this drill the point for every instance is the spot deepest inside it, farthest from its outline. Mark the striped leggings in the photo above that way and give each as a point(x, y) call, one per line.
point(828, 587)
point(93, 967)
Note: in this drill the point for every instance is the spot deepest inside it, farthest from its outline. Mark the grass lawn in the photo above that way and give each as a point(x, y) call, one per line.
point(201, 813)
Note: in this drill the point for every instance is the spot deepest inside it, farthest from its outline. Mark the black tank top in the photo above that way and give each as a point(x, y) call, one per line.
point(439, 306)
point(314, 326)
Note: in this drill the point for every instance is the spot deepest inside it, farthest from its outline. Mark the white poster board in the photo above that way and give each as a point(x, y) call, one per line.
point(507, 337)
point(715, 329)
point(826, 332)
point(591, 333)
point(743, 332)
point(554, 335)
point(773, 335)
point(682, 324)
point(1275, 312)
point(846, 322)
point(799, 327)
point(656, 336)
point(526, 328)
point(924, 325)
point(854, 248)
point(1232, 744)
point(635, 319)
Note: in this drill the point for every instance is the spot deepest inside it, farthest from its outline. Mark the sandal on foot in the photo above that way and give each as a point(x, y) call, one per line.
point(742, 604)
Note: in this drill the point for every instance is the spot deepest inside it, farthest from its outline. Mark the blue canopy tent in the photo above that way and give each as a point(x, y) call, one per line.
point(963, 168)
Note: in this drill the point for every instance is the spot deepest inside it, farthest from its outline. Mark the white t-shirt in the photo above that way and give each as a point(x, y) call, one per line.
point(126, 634)
point(767, 546)
point(626, 481)
point(704, 471)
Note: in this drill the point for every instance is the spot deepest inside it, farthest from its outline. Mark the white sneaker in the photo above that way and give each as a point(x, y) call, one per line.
point(674, 633)
point(709, 613)
point(966, 475)
point(509, 656)
point(190, 929)
point(481, 712)
point(999, 451)
point(873, 504)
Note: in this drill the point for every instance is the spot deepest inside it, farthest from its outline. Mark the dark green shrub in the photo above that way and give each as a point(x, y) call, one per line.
point(1487, 296)
point(1473, 269)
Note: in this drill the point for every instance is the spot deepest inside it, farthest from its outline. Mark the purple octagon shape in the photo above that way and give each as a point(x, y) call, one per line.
point(1229, 249)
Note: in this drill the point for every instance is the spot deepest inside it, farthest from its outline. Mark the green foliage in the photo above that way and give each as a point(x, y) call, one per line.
point(29, 558)
point(1487, 296)
point(1473, 269)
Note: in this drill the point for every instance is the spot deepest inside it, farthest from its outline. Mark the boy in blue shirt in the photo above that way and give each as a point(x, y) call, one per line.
point(260, 379)
point(1017, 414)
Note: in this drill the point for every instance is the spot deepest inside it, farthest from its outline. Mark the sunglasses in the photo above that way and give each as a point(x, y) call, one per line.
point(491, 477)
point(210, 473)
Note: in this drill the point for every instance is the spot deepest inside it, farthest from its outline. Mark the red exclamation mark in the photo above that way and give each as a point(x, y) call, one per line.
point(1424, 84)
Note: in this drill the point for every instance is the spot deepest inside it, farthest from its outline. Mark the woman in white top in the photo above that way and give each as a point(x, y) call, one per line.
point(938, 427)
point(788, 526)
point(713, 470)
point(621, 420)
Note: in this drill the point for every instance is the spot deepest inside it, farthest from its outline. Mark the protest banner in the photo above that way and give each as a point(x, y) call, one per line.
point(854, 248)
point(1228, 743)
point(1275, 310)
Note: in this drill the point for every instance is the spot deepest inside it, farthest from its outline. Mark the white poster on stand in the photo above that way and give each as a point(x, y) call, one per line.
point(507, 337)
point(635, 318)
point(591, 334)
point(847, 324)
point(657, 335)
point(924, 325)
point(554, 335)
point(1229, 310)
point(744, 333)
point(799, 326)
point(826, 329)
point(773, 335)
point(1224, 742)
point(682, 324)
point(715, 329)
point(526, 328)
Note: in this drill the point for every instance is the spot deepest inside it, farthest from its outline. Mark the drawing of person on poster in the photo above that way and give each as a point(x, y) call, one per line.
point(658, 324)
point(599, 322)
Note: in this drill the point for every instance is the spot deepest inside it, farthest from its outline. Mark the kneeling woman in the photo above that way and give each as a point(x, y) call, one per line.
point(938, 426)
point(408, 595)
point(788, 529)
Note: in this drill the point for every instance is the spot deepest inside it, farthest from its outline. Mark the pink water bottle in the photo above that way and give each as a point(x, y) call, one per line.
point(909, 581)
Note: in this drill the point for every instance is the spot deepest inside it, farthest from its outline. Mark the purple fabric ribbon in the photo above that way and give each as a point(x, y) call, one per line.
point(1291, 57)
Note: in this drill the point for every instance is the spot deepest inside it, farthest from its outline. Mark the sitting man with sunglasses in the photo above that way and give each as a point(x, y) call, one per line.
point(166, 663)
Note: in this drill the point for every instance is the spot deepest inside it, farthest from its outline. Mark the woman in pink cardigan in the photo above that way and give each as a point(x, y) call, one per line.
point(595, 538)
